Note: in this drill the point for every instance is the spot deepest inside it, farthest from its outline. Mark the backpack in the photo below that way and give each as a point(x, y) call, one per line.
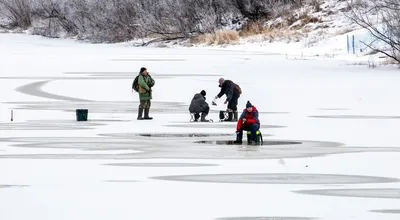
point(135, 84)
point(238, 89)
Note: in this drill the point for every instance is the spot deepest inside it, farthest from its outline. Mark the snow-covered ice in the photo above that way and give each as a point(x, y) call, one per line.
point(330, 127)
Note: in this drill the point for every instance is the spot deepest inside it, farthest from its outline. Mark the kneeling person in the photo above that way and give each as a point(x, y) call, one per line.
point(199, 106)
point(248, 121)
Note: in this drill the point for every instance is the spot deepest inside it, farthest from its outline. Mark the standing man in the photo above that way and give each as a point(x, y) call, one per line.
point(232, 92)
point(145, 82)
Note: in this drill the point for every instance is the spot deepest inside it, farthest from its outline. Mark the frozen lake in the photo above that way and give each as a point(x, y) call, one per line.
point(331, 147)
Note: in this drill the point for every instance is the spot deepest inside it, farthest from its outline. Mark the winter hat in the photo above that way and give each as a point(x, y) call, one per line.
point(142, 69)
point(221, 80)
point(248, 104)
point(203, 93)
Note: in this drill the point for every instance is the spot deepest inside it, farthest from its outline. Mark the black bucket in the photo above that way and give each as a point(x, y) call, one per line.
point(81, 114)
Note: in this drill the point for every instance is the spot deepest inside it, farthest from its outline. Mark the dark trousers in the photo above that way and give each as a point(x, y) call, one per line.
point(234, 101)
point(248, 127)
point(145, 104)
point(205, 111)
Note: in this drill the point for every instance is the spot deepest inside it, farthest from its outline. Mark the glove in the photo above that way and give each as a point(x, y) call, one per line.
point(216, 97)
point(237, 132)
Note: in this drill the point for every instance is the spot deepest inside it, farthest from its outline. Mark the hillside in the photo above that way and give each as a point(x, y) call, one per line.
point(304, 28)
point(308, 27)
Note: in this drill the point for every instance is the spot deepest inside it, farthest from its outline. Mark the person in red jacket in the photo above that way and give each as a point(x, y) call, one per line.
point(248, 121)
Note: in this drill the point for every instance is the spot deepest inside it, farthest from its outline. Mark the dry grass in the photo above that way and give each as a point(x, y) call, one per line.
point(252, 28)
point(223, 37)
point(220, 37)
point(309, 19)
point(269, 33)
point(258, 31)
point(304, 20)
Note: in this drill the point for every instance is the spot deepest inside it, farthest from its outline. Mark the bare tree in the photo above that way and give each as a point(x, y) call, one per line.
point(55, 13)
point(105, 21)
point(382, 20)
point(121, 20)
point(18, 12)
point(260, 9)
point(179, 19)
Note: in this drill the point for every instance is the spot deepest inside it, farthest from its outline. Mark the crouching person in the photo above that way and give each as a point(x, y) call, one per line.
point(248, 121)
point(199, 107)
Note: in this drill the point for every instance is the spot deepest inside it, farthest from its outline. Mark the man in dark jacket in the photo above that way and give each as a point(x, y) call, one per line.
point(199, 105)
point(229, 88)
point(248, 121)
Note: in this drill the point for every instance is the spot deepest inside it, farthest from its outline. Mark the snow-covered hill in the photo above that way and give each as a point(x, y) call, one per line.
point(320, 28)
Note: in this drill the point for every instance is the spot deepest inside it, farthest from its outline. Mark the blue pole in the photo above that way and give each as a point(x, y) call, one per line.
point(348, 45)
point(354, 49)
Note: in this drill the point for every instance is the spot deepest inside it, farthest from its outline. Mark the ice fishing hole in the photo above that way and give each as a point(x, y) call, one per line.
point(231, 142)
point(182, 134)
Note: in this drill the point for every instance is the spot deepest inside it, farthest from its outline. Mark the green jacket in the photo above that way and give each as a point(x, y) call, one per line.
point(145, 85)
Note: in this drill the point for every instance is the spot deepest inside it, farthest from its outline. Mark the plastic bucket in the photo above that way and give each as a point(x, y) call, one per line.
point(81, 114)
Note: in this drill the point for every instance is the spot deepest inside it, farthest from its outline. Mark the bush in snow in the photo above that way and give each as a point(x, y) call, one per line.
point(382, 19)
point(122, 20)
point(18, 12)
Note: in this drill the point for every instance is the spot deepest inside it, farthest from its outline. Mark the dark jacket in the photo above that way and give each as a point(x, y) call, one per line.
point(251, 117)
point(198, 104)
point(229, 89)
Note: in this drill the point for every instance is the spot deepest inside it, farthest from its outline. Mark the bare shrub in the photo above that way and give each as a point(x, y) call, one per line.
point(18, 12)
point(316, 4)
point(122, 20)
point(105, 21)
point(53, 18)
point(263, 9)
point(252, 28)
point(193, 17)
point(386, 32)
point(307, 19)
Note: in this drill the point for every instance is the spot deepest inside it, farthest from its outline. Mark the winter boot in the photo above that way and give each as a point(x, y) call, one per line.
point(196, 117)
point(203, 118)
point(146, 114)
point(230, 114)
point(237, 142)
point(235, 116)
point(239, 137)
point(140, 113)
